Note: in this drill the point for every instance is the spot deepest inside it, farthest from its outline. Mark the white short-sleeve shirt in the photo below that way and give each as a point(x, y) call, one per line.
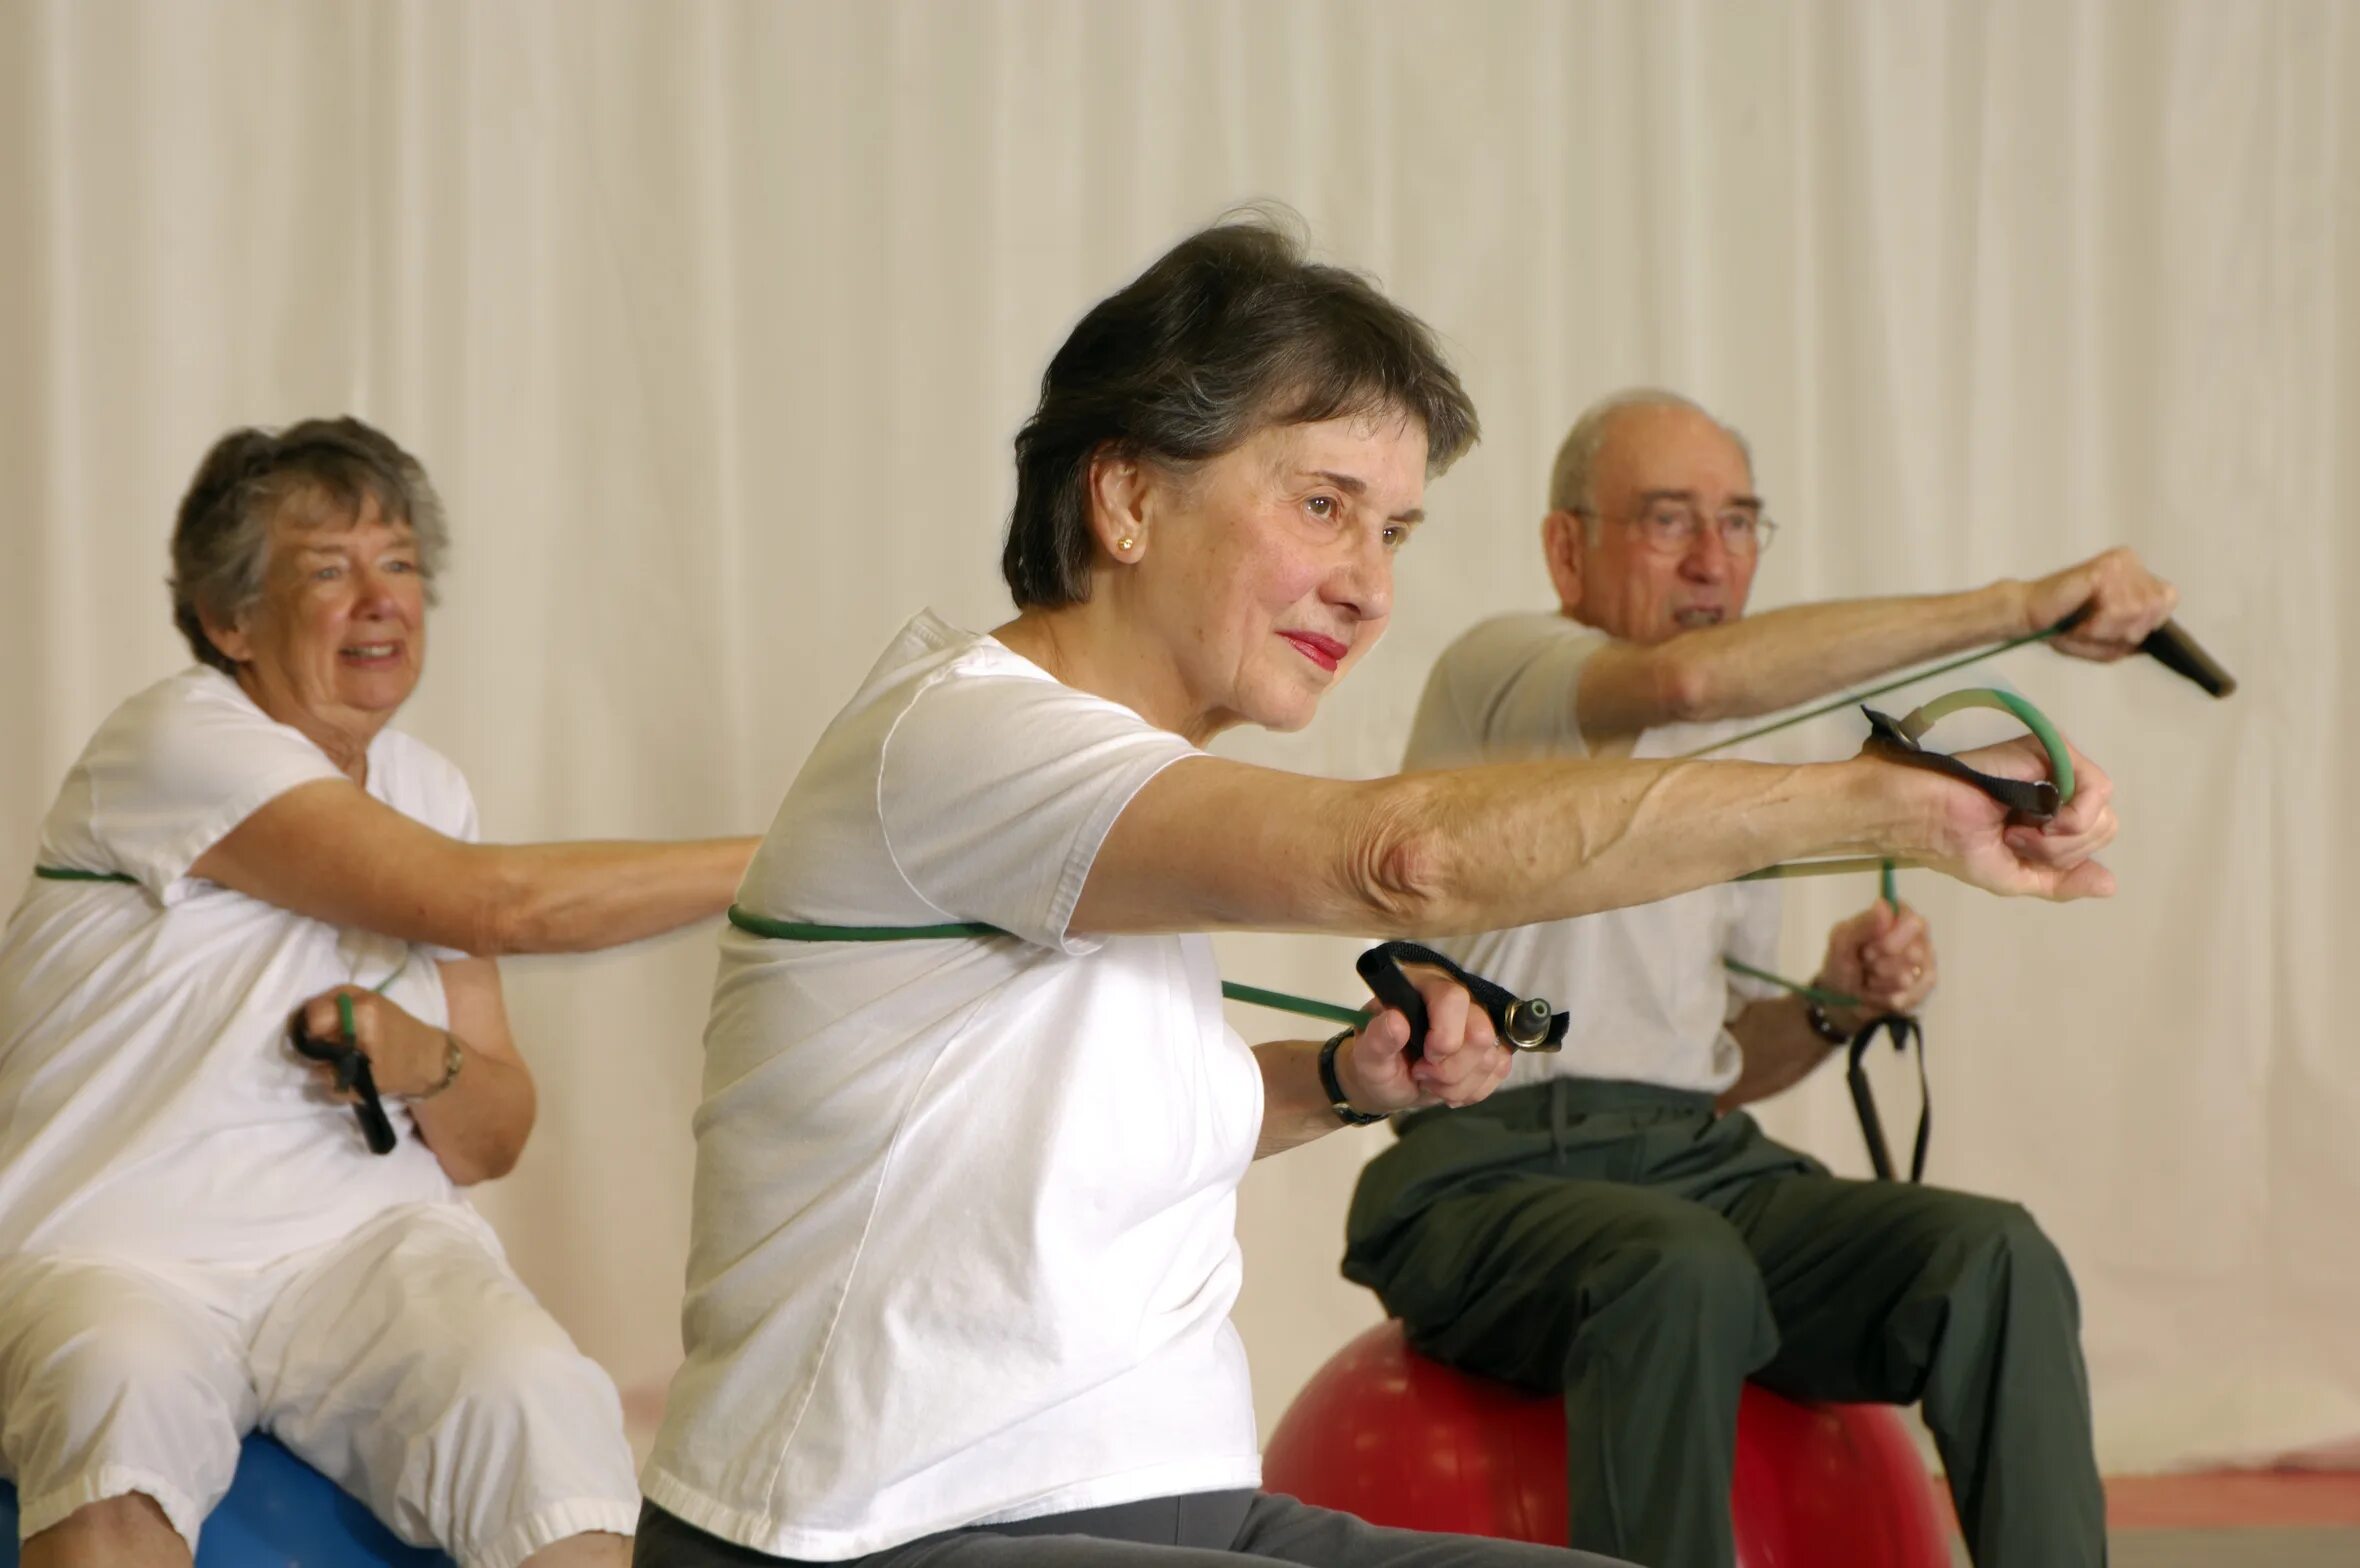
point(1649, 1000)
point(964, 1245)
point(149, 1104)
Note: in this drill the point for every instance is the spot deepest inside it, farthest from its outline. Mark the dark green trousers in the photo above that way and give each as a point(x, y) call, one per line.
point(1624, 1244)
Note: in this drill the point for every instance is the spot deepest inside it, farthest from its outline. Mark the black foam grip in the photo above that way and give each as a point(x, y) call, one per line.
point(353, 1076)
point(2170, 646)
point(1380, 968)
point(376, 1126)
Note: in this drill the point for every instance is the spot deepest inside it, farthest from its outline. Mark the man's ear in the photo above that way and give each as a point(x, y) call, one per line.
point(1566, 545)
point(1118, 488)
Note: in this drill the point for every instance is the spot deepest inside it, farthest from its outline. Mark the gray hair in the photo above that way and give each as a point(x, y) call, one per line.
point(1570, 477)
point(1232, 330)
point(221, 542)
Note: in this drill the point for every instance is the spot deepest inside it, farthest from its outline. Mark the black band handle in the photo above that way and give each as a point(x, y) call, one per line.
point(2170, 646)
point(353, 1076)
point(1522, 1023)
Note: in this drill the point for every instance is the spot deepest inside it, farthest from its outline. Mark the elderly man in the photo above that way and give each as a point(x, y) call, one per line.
point(1611, 1225)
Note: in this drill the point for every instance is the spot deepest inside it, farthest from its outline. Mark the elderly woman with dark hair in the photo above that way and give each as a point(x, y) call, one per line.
point(194, 1238)
point(963, 1256)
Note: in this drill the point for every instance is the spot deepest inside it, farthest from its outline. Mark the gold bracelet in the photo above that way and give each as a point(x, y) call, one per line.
point(454, 1058)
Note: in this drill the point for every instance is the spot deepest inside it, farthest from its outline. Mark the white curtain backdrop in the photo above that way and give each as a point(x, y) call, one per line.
point(714, 322)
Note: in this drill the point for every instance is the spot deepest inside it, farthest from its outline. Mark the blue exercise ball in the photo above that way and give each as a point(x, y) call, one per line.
point(280, 1513)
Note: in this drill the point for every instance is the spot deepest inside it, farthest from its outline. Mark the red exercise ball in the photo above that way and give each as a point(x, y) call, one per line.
point(1387, 1434)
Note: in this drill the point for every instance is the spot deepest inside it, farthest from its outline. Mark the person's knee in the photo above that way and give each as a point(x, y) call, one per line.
point(524, 1383)
point(2024, 1255)
point(1970, 1226)
point(129, 1530)
point(1696, 1281)
point(129, 1391)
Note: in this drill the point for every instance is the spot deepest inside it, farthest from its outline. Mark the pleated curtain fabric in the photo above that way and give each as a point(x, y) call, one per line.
point(713, 323)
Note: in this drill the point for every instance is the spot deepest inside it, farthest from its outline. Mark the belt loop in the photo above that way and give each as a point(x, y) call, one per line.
point(1560, 1091)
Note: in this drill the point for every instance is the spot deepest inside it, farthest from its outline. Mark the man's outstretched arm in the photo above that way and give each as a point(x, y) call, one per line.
point(1763, 663)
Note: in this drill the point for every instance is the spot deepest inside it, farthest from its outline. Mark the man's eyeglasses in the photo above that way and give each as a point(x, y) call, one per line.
point(1673, 527)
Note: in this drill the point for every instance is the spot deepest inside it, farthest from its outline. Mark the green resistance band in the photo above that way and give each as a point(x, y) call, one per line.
point(1823, 995)
point(1904, 1030)
point(70, 874)
point(1854, 699)
point(812, 931)
point(809, 931)
point(1913, 728)
point(1850, 865)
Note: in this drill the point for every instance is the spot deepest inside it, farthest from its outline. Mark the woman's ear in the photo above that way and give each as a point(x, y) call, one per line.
point(227, 637)
point(1118, 503)
point(1566, 546)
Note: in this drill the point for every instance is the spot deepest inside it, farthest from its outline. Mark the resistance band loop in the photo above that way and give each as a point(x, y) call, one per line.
point(814, 931)
point(1526, 1024)
point(1522, 1023)
point(1898, 740)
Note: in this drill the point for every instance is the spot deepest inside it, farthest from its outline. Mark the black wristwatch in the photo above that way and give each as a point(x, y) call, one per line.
point(1333, 1087)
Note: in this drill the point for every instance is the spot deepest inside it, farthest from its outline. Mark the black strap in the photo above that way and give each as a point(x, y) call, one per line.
point(1905, 1031)
point(2035, 799)
point(1522, 1023)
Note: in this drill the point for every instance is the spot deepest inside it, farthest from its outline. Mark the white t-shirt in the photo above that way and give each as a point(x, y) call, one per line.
point(150, 1106)
point(1649, 999)
point(964, 1244)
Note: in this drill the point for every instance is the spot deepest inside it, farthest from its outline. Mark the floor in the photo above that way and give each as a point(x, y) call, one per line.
point(2236, 1519)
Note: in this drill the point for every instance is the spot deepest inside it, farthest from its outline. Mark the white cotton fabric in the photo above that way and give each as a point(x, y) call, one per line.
point(195, 1239)
point(398, 1361)
point(1644, 986)
point(150, 1106)
point(964, 1240)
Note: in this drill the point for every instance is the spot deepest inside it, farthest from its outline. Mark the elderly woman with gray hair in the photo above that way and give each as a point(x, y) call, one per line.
point(196, 1236)
point(963, 1254)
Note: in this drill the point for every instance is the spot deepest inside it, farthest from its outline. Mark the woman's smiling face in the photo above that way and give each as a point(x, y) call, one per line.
point(1266, 573)
point(338, 639)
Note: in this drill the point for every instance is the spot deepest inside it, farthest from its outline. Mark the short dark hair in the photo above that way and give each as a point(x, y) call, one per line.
point(1229, 331)
point(221, 540)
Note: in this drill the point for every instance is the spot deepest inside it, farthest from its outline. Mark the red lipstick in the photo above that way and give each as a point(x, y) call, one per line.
point(1325, 652)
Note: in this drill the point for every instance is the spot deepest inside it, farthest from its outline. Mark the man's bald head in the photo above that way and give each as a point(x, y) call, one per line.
point(1572, 478)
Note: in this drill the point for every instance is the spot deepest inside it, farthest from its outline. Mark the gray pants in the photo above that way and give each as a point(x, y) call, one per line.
point(1198, 1530)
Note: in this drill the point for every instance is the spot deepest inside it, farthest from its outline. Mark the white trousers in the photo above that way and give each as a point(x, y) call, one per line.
point(406, 1362)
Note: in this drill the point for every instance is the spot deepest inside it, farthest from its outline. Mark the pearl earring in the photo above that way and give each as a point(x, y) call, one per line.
point(1123, 545)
